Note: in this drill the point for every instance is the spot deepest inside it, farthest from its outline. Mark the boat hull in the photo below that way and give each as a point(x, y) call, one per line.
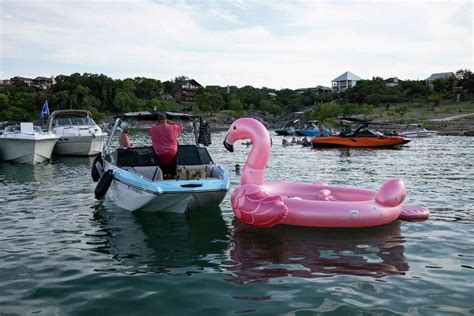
point(310, 133)
point(285, 132)
point(364, 142)
point(88, 145)
point(133, 199)
point(27, 151)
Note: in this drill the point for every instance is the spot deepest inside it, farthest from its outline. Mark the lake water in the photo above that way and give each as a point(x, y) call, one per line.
point(63, 252)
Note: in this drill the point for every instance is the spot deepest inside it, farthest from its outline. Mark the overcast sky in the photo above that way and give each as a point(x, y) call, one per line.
point(277, 44)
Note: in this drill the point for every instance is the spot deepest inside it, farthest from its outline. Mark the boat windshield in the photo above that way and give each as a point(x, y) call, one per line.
point(13, 129)
point(68, 121)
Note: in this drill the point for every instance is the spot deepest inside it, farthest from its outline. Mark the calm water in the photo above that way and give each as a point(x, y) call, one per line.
point(62, 252)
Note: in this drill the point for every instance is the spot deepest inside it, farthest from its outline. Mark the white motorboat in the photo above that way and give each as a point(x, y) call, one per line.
point(79, 134)
point(26, 144)
point(416, 131)
point(133, 179)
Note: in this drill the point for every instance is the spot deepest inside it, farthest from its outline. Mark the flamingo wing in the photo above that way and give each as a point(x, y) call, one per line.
point(255, 207)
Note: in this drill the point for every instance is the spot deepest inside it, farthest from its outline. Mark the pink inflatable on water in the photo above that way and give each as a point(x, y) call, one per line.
point(265, 204)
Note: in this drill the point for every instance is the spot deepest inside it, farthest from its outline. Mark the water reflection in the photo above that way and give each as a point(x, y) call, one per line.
point(146, 242)
point(263, 254)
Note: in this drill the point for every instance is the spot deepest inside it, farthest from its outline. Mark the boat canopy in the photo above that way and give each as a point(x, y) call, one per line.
point(71, 113)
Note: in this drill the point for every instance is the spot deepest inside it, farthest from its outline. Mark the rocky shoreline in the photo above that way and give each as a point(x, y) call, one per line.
point(462, 125)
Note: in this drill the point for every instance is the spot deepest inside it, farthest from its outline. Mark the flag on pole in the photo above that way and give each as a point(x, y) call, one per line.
point(44, 111)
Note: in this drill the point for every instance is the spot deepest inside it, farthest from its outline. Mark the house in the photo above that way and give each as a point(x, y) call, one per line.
point(18, 79)
point(441, 75)
point(345, 81)
point(186, 91)
point(272, 95)
point(41, 83)
point(318, 90)
point(219, 89)
point(391, 82)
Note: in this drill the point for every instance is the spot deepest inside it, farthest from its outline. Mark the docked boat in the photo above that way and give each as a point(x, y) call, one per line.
point(133, 179)
point(417, 131)
point(79, 134)
point(362, 137)
point(26, 144)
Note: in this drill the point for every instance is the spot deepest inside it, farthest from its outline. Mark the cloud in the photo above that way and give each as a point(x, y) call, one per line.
point(292, 45)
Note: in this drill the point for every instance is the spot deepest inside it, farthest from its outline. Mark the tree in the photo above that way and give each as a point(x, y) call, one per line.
point(466, 80)
point(14, 113)
point(208, 101)
point(269, 106)
point(235, 104)
point(3, 101)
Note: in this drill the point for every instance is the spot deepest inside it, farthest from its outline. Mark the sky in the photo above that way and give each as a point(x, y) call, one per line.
point(275, 44)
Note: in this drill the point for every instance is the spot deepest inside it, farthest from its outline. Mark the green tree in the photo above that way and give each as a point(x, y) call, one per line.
point(208, 101)
point(4, 100)
point(14, 113)
point(235, 104)
point(269, 106)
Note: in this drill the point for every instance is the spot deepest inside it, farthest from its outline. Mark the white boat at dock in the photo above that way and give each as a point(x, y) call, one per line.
point(79, 134)
point(26, 144)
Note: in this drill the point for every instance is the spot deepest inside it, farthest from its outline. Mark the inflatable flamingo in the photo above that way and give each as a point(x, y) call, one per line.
point(265, 204)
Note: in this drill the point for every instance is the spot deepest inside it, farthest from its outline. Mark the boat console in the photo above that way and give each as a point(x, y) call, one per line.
point(193, 162)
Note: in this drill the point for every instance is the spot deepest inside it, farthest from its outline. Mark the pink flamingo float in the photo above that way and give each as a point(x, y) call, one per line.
point(265, 204)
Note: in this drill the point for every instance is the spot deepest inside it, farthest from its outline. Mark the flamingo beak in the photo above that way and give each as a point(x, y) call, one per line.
point(228, 146)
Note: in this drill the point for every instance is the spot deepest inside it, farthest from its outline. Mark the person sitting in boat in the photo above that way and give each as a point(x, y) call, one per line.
point(164, 137)
point(293, 140)
point(284, 142)
point(124, 140)
point(304, 140)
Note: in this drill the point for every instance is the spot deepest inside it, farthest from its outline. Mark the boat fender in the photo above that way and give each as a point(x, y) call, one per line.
point(103, 184)
point(95, 174)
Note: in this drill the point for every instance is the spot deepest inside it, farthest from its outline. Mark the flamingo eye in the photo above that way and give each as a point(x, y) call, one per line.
point(235, 127)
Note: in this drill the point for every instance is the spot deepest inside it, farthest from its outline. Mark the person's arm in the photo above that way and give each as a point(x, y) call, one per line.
point(128, 142)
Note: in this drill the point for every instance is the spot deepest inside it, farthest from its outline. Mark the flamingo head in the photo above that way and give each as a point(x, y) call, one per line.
point(246, 128)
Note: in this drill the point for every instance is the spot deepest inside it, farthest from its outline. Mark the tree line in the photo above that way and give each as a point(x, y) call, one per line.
point(104, 96)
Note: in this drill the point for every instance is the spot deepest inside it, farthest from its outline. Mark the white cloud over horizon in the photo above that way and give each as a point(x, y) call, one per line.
point(273, 44)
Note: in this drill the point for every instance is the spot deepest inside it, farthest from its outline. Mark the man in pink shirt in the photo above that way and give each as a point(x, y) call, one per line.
point(164, 138)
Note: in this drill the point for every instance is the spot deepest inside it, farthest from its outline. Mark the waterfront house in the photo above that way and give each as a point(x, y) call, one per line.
point(18, 79)
point(391, 82)
point(440, 75)
point(186, 91)
point(272, 95)
point(219, 89)
point(318, 90)
point(40, 83)
point(345, 81)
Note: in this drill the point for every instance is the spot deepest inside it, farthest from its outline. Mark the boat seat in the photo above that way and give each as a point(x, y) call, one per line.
point(152, 173)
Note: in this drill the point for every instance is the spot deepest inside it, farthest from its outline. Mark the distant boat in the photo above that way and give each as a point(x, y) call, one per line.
point(362, 137)
point(79, 134)
point(26, 144)
point(417, 131)
point(288, 129)
point(312, 129)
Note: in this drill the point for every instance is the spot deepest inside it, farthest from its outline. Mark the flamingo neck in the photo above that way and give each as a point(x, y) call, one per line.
point(254, 169)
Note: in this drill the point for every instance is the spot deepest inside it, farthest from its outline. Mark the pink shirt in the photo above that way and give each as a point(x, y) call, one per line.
point(164, 138)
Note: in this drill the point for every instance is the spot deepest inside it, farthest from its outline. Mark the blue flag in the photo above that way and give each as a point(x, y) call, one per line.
point(44, 111)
